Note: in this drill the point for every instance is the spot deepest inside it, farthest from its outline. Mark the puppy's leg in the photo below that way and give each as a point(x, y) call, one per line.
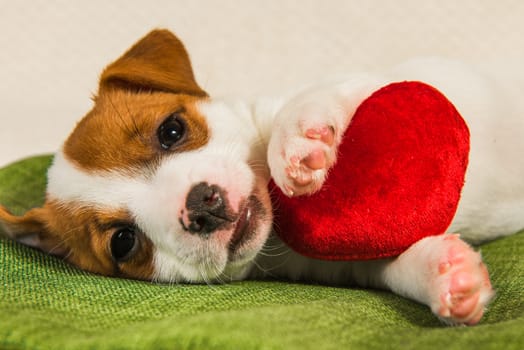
point(308, 129)
point(444, 273)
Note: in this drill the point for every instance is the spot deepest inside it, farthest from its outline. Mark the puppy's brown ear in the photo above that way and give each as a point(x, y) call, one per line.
point(32, 230)
point(158, 62)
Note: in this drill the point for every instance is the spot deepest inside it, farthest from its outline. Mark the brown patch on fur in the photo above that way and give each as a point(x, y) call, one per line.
point(81, 235)
point(157, 62)
point(121, 130)
point(137, 92)
point(30, 222)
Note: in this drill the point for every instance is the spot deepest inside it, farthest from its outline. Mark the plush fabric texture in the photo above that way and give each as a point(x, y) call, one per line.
point(48, 304)
point(398, 177)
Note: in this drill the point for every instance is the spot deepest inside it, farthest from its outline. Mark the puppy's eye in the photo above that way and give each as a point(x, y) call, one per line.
point(171, 131)
point(123, 243)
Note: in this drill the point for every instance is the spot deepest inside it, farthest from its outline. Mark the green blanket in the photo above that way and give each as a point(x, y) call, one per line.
point(48, 304)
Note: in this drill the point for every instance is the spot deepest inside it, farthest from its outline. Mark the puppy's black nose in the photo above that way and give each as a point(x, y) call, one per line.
point(206, 209)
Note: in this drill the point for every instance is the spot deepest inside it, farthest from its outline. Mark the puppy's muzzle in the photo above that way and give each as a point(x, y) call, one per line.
point(207, 209)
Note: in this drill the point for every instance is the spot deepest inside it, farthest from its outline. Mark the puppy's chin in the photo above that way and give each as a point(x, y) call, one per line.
point(226, 255)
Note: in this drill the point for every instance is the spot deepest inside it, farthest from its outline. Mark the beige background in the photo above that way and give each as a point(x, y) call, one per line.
point(52, 51)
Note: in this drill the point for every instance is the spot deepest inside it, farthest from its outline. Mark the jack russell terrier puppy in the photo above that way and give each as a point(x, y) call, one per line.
point(161, 182)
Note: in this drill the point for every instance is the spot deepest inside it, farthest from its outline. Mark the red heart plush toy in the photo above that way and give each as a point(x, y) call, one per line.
point(397, 179)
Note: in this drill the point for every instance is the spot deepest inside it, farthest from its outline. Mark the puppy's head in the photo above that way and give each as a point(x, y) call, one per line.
point(157, 181)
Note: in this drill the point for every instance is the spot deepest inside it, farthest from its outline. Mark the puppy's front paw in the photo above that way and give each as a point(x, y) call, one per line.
point(461, 284)
point(300, 159)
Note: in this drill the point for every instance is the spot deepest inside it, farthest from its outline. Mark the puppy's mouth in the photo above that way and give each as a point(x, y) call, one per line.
point(245, 228)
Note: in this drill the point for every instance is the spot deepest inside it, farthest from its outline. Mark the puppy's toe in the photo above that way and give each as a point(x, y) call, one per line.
point(463, 284)
point(307, 160)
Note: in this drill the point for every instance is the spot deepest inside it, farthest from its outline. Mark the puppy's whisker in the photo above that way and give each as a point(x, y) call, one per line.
point(205, 274)
point(273, 246)
point(264, 270)
point(271, 249)
point(204, 268)
point(219, 274)
point(272, 255)
point(205, 277)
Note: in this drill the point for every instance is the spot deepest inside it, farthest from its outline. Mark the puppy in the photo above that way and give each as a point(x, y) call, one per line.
point(161, 182)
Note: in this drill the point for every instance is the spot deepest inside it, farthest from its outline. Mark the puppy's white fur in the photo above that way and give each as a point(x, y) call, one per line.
point(246, 149)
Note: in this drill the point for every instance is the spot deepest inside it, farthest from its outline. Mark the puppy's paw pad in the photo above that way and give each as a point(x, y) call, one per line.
point(315, 160)
point(463, 284)
point(325, 134)
point(308, 159)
